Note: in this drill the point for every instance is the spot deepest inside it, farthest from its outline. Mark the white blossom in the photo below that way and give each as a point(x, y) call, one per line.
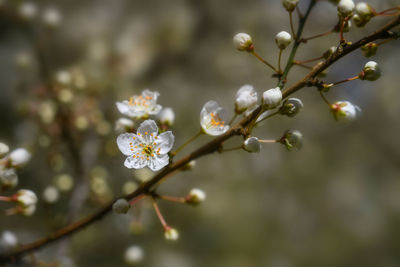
point(210, 119)
point(171, 234)
point(246, 98)
point(19, 157)
point(124, 125)
point(26, 198)
point(146, 148)
point(166, 116)
point(252, 145)
point(290, 5)
point(364, 10)
point(345, 7)
point(140, 106)
point(243, 42)
point(196, 196)
point(283, 39)
point(133, 255)
point(345, 111)
point(371, 71)
point(272, 98)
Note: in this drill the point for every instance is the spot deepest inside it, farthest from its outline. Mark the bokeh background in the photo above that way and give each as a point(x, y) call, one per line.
point(336, 202)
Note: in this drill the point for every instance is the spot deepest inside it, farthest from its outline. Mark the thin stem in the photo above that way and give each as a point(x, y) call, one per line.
point(7, 199)
point(384, 42)
point(172, 198)
point(343, 23)
point(346, 80)
point(324, 98)
point(316, 36)
point(264, 61)
point(268, 141)
point(268, 116)
point(233, 119)
point(186, 143)
point(136, 199)
point(291, 25)
point(308, 60)
point(279, 61)
point(159, 215)
point(388, 10)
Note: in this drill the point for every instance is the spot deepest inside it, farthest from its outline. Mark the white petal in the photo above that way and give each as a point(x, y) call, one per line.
point(156, 110)
point(215, 131)
point(153, 95)
point(165, 142)
point(135, 163)
point(148, 126)
point(123, 106)
point(124, 140)
point(158, 162)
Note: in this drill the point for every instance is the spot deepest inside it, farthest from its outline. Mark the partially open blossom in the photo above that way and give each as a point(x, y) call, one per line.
point(8, 178)
point(252, 145)
point(124, 125)
point(19, 157)
point(210, 119)
point(121, 206)
point(290, 5)
point(26, 197)
point(290, 107)
point(146, 147)
point(370, 72)
point(4, 149)
point(166, 116)
point(345, 7)
point(133, 255)
point(345, 111)
point(246, 98)
point(243, 42)
point(171, 234)
point(283, 39)
point(292, 139)
point(196, 196)
point(140, 106)
point(272, 98)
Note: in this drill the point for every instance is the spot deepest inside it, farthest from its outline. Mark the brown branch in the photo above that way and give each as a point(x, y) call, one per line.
point(208, 148)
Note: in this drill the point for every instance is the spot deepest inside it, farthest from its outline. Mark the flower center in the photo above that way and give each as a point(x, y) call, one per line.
point(139, 101)
point(216, 120)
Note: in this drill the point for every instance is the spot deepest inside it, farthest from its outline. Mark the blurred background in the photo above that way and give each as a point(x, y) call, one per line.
point(336, 202)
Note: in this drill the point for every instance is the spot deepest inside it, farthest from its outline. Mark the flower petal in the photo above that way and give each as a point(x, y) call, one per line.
point(124, 142)
point(165, 142)
point(158, 162)
point(135, 163)
point(123, 106)
point(148, 126)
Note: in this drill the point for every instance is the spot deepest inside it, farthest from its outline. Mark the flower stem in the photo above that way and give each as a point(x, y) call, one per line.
point(172, 198)
point(268, 116)
point(186, 143)
point(346, 80)
point(307, 61)
point(264, 61)
point(384, 42)
point(136, 199)
point(317, 36)
point(159, 215)
point(343, 23)
point(324, 98)
point(291, 25)
point(268, 141)
point(233, 119)
point(7, 199)
point(279, 61)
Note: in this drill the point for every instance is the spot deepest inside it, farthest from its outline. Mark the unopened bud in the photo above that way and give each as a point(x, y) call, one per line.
point(19, 157)
point(364, 10)
point(290, 5)
point(243, 42)
point(8, 240)
point(283, 39)
point(345, 111)
point(370, 72)
point(291, 107)
point(166, 116)
point(252, 145)
point(121, 206)
point(171, 234)
point(369, 49)
point(272, 98)
point(26, 198)
point(123, 125)
point(196, 196)
point(246, 98)
point(8, 179)
point(292, 139)
point(345, 8)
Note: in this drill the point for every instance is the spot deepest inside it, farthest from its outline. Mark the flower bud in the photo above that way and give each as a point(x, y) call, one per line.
point(25, 198)
point(364, 10)
point(370, 72)
point(243, 42)
point(4, 149)
point(51, 194)
point(369, 49)
point(19, 157)
point(171, 234)
point(133, 255)
point(283, 39)
point(124, 125)
point(121, 206)
point(196, 196)
point(8, 179)
point(166, 116)
point(246, 98)
point(291, 107)
point(292, 139)
point(252, 145)
point(345, 8)
point(290, 5)
point(8, 240)
point(345, 111)
point(272, 97)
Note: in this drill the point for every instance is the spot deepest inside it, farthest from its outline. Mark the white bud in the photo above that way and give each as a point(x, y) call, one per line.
point(243, 42)
point(121, 206)
point(133, 255)
point(28, 10)
point(364, 10)
point(26, 197)
point(4, 149)
point(345, 111)
point(171, 234)
point(8, 240)
point(283, 39)
point(51, 194)
point(196, 196)
point(166, 116)
point(8, 179)
point(272, 98)
point(52, 17)
point(370, 72)
point(19, 157)
point(291, 107)
point(246, 98)
point(124, 125)
point(252, 145)
point(345, 7)
point(290, 5)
